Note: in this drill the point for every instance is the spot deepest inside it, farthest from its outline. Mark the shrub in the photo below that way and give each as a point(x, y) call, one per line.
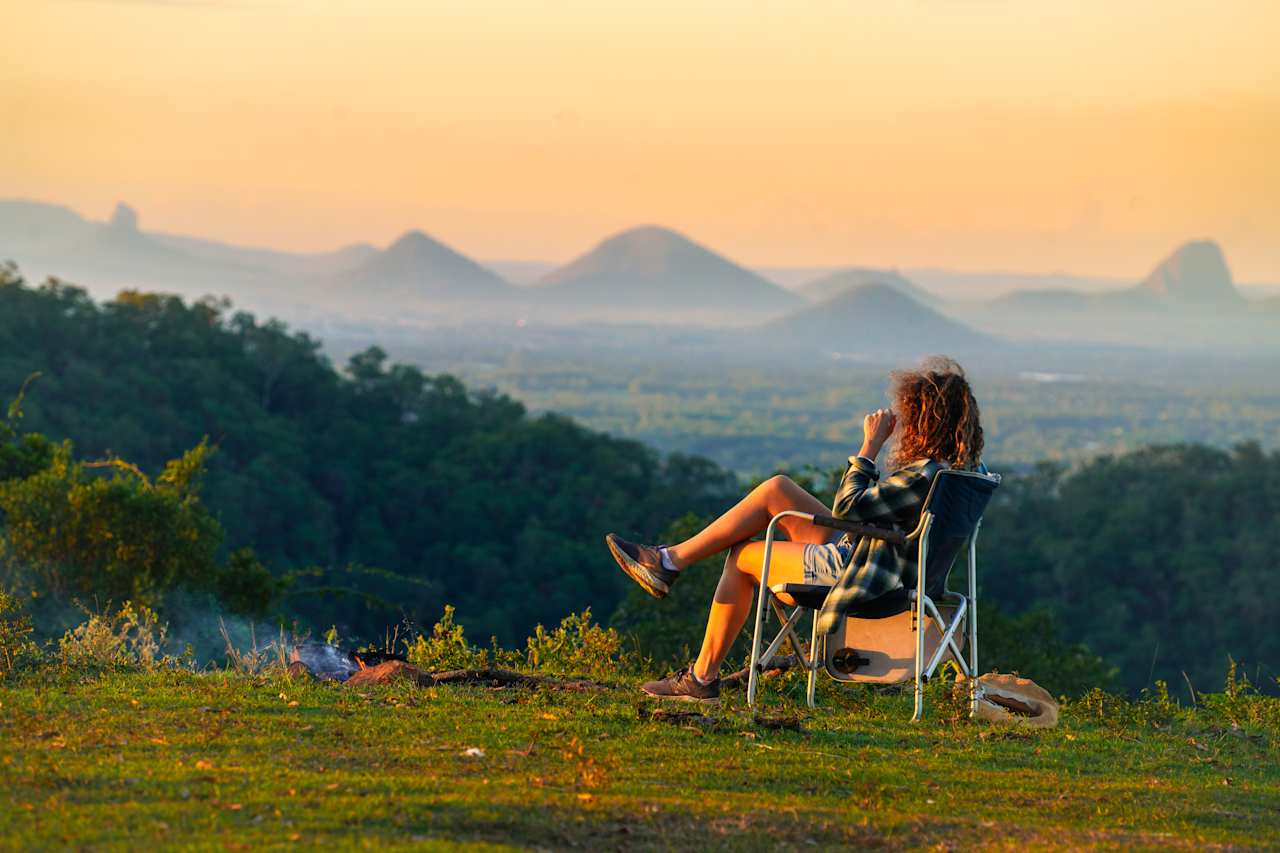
point(446, 648)
point(272, 658)
point(1240, 704)
point(17, 651)
point(119, 537)
point(577, 647)
point(132, 637)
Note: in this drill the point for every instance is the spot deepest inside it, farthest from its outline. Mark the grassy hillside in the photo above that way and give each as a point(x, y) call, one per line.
point(234, 761)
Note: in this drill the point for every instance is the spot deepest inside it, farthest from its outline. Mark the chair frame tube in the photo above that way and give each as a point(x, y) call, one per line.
point(973, 621)
point(753, 675)
point(926, 521)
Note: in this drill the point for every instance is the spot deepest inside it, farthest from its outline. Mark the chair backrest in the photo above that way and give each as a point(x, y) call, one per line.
point(956, 501)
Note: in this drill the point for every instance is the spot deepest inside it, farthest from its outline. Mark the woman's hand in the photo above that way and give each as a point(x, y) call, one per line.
point(876, 429)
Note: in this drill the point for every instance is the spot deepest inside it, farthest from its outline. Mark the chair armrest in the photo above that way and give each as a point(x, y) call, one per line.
point(897, 537)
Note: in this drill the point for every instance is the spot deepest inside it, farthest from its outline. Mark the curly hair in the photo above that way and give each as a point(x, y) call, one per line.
point(937, 415)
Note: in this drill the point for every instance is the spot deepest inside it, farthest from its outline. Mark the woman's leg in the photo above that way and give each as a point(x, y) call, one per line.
point(732, 603)
point(750, 516)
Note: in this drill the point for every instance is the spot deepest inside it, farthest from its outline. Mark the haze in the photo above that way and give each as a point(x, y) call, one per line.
point(1086, 136)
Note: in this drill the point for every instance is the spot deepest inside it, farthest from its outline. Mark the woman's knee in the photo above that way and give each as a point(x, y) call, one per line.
point(780, 483)
point(778, 488)
point(733, 561)
point(744, 561)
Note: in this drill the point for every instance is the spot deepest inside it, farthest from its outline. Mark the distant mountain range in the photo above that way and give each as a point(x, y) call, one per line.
point(1194, 276)
point(648, 274)
point(872, 320)
point(835, 283)
point(651, 267)
point(417, 267)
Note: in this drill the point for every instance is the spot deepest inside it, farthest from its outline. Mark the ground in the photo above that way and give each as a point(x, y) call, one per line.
point(225, 760)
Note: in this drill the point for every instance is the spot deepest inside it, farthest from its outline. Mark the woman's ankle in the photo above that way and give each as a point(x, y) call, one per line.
point(677, 561)
point(705, 676)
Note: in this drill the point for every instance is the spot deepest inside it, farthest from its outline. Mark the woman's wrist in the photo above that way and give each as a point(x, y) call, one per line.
point(869, 451)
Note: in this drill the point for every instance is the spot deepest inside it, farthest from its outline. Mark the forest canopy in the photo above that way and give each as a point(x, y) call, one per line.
point(373, 497)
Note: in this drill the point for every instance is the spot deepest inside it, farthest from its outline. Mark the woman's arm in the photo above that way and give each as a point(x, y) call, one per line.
point(876, 429)
point(861, 496)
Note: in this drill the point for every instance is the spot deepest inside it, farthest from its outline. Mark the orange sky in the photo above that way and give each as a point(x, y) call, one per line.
point(1084, 136)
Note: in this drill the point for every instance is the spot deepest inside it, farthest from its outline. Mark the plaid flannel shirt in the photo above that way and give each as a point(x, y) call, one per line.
point(875, 566)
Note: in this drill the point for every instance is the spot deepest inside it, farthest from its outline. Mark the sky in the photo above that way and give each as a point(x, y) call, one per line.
point(1089, 136)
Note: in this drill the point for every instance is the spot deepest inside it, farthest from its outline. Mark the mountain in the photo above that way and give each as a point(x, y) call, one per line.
point(656, 270)
point(830, 285)
point(520, 273)
point(33, 230)
point(1188, 302)
point(119, 251)
point(875, 320)
point(1038, 302)
point(271, 260)
point(955, 285)
point(1196, 272)
point(33, 227)
point(48, 239)
point(417, 265)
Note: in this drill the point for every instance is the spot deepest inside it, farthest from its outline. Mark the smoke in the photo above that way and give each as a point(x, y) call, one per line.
point(325, 661)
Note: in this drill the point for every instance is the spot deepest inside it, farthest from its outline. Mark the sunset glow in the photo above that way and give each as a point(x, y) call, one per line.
point(1088, 136)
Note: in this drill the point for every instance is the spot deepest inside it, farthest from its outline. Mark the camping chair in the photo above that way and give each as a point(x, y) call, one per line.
point(881, 640)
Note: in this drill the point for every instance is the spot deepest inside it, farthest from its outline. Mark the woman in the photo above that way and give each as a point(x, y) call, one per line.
point(936, 418)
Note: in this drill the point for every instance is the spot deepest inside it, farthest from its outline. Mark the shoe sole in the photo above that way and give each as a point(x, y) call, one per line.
point(637, 572)
point(704, 700)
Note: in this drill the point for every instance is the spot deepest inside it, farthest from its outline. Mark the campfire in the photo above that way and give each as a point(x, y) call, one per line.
point(334, 664)
point(360, 669)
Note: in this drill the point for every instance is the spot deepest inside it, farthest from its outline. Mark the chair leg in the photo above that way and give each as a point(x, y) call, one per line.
point(921, 626)
point(814, 659)
point(754, 666)
point(973, 621)
point(753, 675)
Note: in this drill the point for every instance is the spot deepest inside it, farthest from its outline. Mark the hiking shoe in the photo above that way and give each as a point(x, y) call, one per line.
point(685, 687)
point(643, 564)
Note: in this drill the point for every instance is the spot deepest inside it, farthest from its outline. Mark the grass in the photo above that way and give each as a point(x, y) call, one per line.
point(225, 760)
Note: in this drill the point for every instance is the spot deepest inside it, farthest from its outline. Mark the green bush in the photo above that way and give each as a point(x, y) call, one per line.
point(577, 647)
point(1239, 709)
point(446, 648)
point(17, 651)
point(1240, 704)
point(69, 532)
point(120, 537)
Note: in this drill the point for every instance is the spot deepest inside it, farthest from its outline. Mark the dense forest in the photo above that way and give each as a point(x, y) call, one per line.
point(1164, 561)
point(372, 496)
point(192, 447)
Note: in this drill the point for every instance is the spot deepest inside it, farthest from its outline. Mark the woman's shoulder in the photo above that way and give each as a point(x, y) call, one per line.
point(926, 466)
